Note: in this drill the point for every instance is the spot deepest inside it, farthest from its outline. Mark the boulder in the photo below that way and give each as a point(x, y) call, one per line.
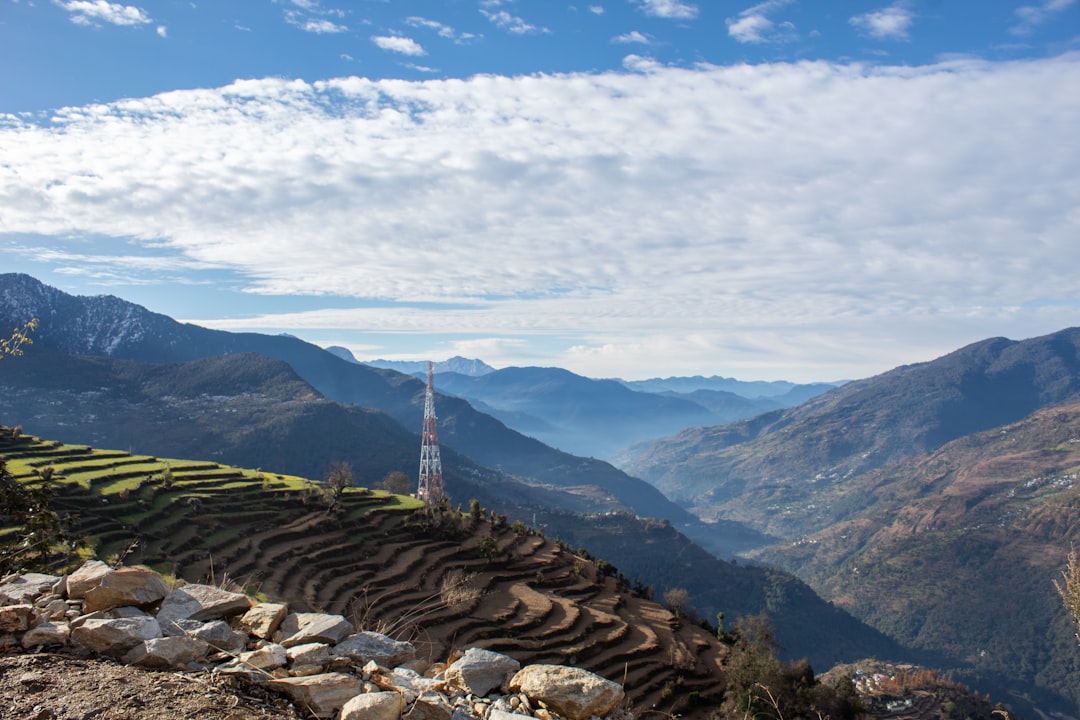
point(309, 654)
point(166, 652)
point(115, 636)
point(431, 706)
point(263, 619)
point(269, 657)
point(322, 694)
point(126, 586)
point(497, 714)
point(202, 602)
point(369, 646)
point(302, 628)
point(374, 706)
point(47, 633)
point(16, 618)
point(572, 692)
point(25, 588)
point(217, 633)
point(481, 671)
point(86, 578)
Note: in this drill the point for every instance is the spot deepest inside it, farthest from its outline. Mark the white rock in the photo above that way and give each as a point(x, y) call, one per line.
point(87, 577)
point(166, 652)
point(264, 618)
point(369, 646)
point(25, 588)
point(269, 657)
point(202, 602)
point(301, 628)
point(481, 671)
point(309, 654)
point(572, 692)
point(16, 618)
point(47, 633)
point(323, 694)
point(115, 636)
point(374, 706)
point(126, 586)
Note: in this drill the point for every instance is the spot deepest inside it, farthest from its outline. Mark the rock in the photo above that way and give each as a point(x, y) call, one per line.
point(269, 657)
point(322, 694)
point(302, 628)
point(202, 602)
point(217, 634)
point(115, 636)
point(374, 706)
point(25, 588)
point(431, 706)
point(497, 714)
point(571, 692)
point(47, 633)
point(166, 652)
point(55, 609)
point(369, 646)
point(303, 670)
point(309, 654)
point(86, 578)
point(16, 618)
point(264, 618)
point(481, 671)
point(126, 586)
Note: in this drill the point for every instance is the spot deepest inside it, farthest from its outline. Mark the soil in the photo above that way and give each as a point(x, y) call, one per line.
point(54, 686)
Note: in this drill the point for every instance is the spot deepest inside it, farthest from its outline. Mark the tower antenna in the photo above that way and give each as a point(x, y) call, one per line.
point(430, 487)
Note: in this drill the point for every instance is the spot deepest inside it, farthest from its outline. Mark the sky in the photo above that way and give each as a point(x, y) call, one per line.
point(789, 189)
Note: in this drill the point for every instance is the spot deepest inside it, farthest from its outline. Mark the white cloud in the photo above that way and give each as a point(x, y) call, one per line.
point(162, 31)
point(631, 37)
point(672, 9)
point(892, 22)
point(596, 9)
point(641, 64)
point(754, 25)
point(322, 26)
point(835, 219)
point(398, 44)
point(310, 16)
point(512, 23)
point(1033, 16)
point(90, 12)
point(443, 30)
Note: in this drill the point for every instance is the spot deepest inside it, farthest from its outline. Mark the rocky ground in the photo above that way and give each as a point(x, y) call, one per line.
point(61, 686)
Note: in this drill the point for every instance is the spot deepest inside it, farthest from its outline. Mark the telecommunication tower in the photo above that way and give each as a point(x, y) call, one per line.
point(430, 488)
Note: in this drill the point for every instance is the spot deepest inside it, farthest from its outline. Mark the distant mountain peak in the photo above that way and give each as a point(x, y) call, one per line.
point(472, 367)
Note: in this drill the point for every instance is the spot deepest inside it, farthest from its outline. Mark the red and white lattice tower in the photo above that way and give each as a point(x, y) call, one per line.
point(430, 488)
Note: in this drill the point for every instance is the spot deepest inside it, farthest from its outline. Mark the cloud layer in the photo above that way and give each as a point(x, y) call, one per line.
point(832, 220)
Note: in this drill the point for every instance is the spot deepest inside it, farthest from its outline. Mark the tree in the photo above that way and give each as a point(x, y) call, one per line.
point(43, 538)
point(1069, 589)
point(340, 477)
point(677, 601)
point(12, 347)
point(397, 482)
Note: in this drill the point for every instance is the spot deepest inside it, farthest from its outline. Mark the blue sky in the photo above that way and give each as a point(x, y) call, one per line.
point(786, 189)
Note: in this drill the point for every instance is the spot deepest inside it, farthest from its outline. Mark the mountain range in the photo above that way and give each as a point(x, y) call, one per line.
point(935, 502)
point(100, 374)
point(596, 417)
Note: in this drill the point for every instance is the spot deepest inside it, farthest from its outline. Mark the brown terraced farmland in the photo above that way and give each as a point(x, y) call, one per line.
point(442, 578)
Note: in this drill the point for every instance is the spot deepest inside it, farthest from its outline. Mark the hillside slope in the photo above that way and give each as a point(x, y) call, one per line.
point(936, 502)
point(438, 577)
point(955, 551)
point(251, 411)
